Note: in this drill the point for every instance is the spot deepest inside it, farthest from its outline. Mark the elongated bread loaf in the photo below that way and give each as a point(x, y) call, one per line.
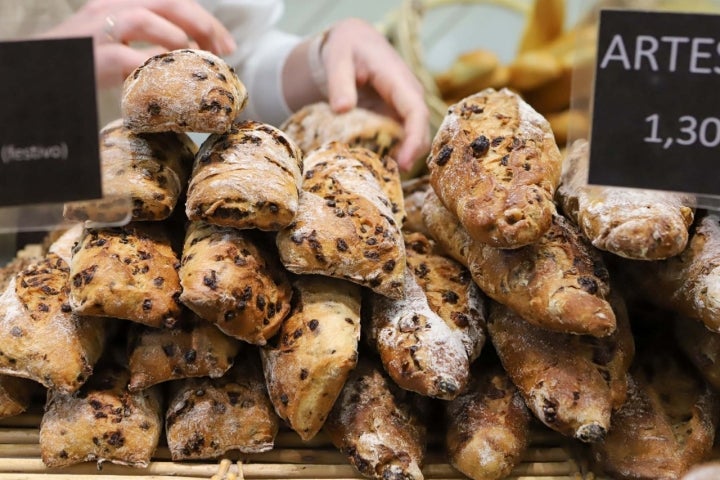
point(230, 278)
point(495, 165)
point(248, 177)
point(182, 91)
point(316, 351)
point(636, 224)
point(559, 283)
point(349, 219)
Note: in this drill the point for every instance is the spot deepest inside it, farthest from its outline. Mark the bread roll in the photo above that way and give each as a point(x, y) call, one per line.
point(315, 124)
point(182, 91)
point(495, 165)
point(559, 283)
point(15, 395)
point(316, 351)
point(248, 177)
point(149, 170)
point(375, 425)
point(488, 426)
point(195, 348)
point(635, 224)
point(103, 423)
point(40, 336)
point(207, 418)
point(349, 219)
point(230, 278)
point(127, 272)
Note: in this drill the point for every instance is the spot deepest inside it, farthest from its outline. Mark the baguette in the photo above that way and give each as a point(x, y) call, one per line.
point(495, 165)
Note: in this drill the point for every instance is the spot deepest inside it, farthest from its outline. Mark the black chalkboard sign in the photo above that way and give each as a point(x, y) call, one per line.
point(656, 106)
point(48, 122)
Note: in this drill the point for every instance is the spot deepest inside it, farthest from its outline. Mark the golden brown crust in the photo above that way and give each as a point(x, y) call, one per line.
point(488, 426)
point(127, 272)
point(317, 349)
point(666, 425)
point(495, 165)
point(229, 278)
point(104, 423)
point(249, 177)
point(41, 338)
point(559, 283)
point(374, 424)
point(182, 91)
point(636, 224)
point(554, 374)
point(209, 417)
point(349, 219)
point(450, 292)
point(15, 395)
point(193, 349)
point(148, 171)
point(315, 124)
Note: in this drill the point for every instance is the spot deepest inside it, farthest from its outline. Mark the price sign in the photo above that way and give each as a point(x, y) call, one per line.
point(656, 107)
point(48, 122)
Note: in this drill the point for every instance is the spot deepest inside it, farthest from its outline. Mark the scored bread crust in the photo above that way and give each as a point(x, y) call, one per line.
point(182, 91)
point(632, 223)
point(248, 177)
point(495, 165)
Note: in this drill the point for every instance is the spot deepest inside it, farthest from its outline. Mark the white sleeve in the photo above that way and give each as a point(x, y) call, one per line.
point(261, 53)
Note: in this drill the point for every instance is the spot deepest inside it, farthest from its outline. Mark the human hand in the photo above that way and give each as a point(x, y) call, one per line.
point(357, 56)
point(160, 25)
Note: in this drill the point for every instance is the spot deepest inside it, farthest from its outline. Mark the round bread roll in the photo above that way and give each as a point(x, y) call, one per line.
point(183, 91)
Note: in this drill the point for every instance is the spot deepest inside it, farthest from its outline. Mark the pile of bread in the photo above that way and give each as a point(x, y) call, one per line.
point(304, 283)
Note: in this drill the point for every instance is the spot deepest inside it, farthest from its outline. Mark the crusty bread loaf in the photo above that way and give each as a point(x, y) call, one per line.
point(315, 124)
point(40, 336)
point(209, 417)
point(636, 224)
point(559, 283)
point(560, 384)
point(666, 425)
point(495, 165)
point(347, 225)
point(450, 292)
point(248, 177)
point(418, 349)
point(103, 423)
point(194, 348)
point(15, 395)
point(148, 170)
point(126, 272)
point(230, 278)
point(316, 351)
point(488, 426)
point(688, 283)
point(376, 426)
point(414, 191)
point(701, 346)
point(182, 91)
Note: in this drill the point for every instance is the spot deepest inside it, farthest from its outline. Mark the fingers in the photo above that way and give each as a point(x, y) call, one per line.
point(138, 25)
point(341, 74)
point(115, 61)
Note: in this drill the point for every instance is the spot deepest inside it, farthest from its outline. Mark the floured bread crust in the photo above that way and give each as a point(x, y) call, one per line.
point(182, 91)
point(495, 165)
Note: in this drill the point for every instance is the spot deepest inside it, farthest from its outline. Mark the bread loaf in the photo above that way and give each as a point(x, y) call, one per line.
point(376, 426)
point(148, 170)
point(248, 177)
point(207, 418)
point(182, 91)
point(194, 348)
point(495, 166)
point(316, 351)
point(315, 124)
point(126, 272)
point(230, 278)
point(103, 423)
point(702, 348)
point(15, 395)
point(559, 283)
point(348, 225)
point(488, 426)
point(635, 224)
